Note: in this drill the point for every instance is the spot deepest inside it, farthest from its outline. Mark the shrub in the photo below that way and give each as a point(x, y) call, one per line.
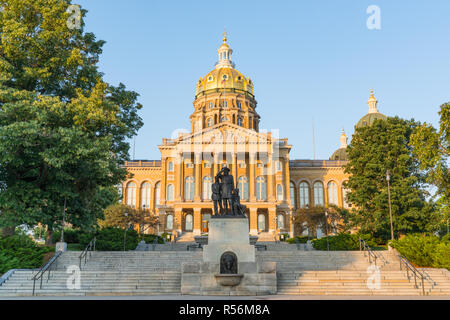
point(70, 235)
point(342, 242)
point(111, 239)
point(425, 250)
point(302, 239)
point(149, 238)
point(21, 252)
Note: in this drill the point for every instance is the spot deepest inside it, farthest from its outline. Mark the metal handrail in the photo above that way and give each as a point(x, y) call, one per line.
point(89, 248)
point(363, 246)
point(44, 268)
point(416, 273)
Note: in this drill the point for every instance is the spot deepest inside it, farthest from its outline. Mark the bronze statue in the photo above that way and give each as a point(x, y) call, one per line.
point(226, 188)
point(216, 196)
point(238, 208)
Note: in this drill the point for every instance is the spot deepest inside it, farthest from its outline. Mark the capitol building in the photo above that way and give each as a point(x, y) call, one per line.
point(225, 131)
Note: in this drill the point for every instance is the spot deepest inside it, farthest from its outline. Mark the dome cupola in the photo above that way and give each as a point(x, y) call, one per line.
point(373, 113)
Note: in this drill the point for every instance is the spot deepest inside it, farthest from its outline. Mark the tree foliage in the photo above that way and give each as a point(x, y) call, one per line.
point(432, 148)
point(374, 150)
point(115, 217)
point(63, 129)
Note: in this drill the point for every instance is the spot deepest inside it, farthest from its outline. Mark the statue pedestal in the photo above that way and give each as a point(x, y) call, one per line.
point(229, 235)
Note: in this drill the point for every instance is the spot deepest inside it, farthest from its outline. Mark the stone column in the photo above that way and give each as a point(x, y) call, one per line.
point(270, 184)
point(198, 176)
point(234, 165)
point(163, 189)
point(287, 180)
point(272, 219)
point(197, 222)
point(216, 164)
point(291, 223)
point(253, 221)
point(252, 165)
point(182, 177)
point(178, 184)
point(178, 220)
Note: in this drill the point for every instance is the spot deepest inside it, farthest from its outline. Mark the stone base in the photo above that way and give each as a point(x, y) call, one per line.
point(228, 235)
point(61, 246)
point(257, 279)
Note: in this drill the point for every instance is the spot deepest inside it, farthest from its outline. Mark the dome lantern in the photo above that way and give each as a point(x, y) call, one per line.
point(225, 53)
point(373, 102)
point(343, 139)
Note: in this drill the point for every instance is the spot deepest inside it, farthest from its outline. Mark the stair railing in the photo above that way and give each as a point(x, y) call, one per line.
point(363, 246)
point(89, 248)
point(412, 271)
point(46, 267)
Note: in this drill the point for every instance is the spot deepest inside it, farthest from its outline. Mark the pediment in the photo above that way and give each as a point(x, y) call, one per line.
point(224, 133)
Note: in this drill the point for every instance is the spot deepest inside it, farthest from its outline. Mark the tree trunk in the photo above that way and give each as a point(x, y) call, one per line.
point(7, 231)
point(48, 239)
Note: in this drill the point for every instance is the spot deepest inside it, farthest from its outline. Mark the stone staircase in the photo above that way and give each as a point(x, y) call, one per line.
point(108, 273)
point(347, 273)
point(299, 272)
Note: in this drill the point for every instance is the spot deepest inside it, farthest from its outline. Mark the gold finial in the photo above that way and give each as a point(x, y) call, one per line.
point(224, 36)
point(371, 92)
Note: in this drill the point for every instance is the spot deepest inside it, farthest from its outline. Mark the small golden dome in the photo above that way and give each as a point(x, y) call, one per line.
point(224, 76)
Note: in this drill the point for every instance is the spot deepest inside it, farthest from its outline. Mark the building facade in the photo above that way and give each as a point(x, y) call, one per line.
point(225, 132)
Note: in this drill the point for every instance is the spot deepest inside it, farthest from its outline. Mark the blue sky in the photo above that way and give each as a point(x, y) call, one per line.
point(309, 60)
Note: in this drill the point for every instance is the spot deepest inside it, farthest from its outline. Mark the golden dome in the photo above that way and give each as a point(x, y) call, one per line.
point(224, 77)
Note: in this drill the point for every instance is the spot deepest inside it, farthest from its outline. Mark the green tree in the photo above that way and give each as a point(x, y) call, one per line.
point(63, 130)
point(373, 151)
point(432, 148)
point(115, 217)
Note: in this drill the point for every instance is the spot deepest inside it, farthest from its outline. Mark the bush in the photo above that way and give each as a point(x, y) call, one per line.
point(70, 235)
point(111, 239)
point(149, 238)
point(425, 250)
point(21, 252)
point(302, 239)
point(342, 242)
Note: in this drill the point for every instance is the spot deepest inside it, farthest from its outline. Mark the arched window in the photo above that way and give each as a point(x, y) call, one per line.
point(240, 121)
point(207, 183)
point(344, 198)
point(145, 196)
point(224, 119)
point(239, 104)
point(189, 186)
point(332, 193)
point(210, 105)
point(304, 195)
point(279, 192)
point(169, 222)
point(157, 193)
point(131, 194)
point(188, 222)
point(261, 222)
point(243, 187)
point(261, 188)
point(170, 166)
point(280, 221)
point(120, 192)
point(292, 190)
point(170, 192)
point(210, 122)
point(318, 194)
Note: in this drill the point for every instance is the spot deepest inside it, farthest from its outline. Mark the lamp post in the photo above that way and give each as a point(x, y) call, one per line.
point(125, 233)
point(326, 228)
point(63, 222)
point(388, 178)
